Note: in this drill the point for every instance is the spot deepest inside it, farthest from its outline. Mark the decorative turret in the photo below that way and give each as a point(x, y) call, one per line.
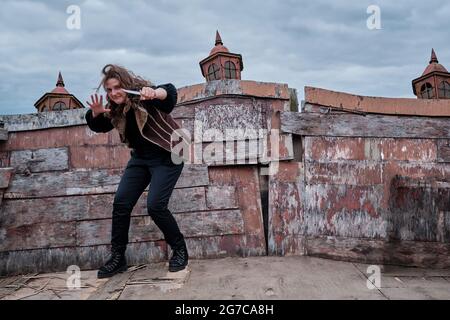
point(221, 64)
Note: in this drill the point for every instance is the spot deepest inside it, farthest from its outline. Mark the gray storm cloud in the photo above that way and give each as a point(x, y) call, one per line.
point(317, 43)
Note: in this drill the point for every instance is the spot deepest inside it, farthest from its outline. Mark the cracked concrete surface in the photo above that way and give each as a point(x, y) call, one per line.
point(290, 278)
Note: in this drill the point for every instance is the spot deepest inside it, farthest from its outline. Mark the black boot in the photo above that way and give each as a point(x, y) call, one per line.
point(116, 263)
point(179, 259)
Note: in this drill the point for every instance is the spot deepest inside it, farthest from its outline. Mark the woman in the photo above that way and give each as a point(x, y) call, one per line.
point(144, 125)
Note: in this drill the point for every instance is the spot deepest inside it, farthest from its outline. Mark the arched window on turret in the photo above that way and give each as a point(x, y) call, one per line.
point(426, 91)
point(213, 72)
point(59, 106)
point(444, 90)
point(230, 70)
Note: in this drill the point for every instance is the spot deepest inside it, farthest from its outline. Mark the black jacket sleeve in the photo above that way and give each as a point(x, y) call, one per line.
point(99, 123)
point(168, 103)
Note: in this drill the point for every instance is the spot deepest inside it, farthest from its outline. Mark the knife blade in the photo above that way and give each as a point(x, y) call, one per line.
point(132, 92)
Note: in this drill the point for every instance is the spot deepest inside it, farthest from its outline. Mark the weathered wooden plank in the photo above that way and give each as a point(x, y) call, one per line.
point(219, 222)
point(113, 287)
point(307, 107)
point(87, 258)
point(181, 112)
point(229, 153)
point(419, 170)
point(142, 228)
point(419, 210)
point(282, 244)
point(285, 207)
point(228, 122)
point(430, 182)
point(55, 138)
point(285, 148)
point(5, 177)
point(407, 253)
point(3, 134)
point(186, 199)
point(76, 182)
point(94, 232)
point(182, 200)
point(209, 223)
point(394, 106)
point(154, 280)
point(312, 124)
point(225, 246)
point(19, 212)
point(44, 120)
point(99, 157)
point(221, 197)
point(82, 182)
point(415, 212)
point(217, 88)
point(246, 181)
point(250, 151)
point(42, 235)
point(341, 210)
point(193, 176)
point(97, 232)
point(147, 252)
point(232, 245)
point(285, 215)
point(443, 150)
point(350, 172)
point(327, 149)
point(52, 159)
point(100, 206)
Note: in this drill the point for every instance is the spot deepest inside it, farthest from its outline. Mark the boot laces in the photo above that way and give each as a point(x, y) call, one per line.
point(179, 255)
point(113, 262)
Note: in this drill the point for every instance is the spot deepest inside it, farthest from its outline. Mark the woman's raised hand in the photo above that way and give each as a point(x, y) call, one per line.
point(96, 105)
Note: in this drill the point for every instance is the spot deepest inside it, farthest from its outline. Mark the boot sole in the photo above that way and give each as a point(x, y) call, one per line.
point(108, 275)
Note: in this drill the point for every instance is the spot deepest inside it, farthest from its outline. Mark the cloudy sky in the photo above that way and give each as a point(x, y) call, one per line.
point(323, 43)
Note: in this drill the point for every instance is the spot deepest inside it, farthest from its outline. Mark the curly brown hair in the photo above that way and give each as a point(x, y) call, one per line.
point(127, 80)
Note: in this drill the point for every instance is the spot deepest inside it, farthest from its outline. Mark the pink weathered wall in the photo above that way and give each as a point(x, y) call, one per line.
point(370, 187)
point(350, 183)
point(57, 204)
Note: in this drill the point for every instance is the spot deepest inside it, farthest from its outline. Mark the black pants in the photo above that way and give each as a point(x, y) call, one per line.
point(162, 174)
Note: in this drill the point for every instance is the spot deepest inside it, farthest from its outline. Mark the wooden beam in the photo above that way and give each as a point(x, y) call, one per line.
point(82, 182)
point(380, 105)
point(352, 125)
point(44, 120)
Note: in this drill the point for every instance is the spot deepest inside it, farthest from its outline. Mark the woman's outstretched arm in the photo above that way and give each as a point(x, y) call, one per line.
point(97, 122)
point(167, 103)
